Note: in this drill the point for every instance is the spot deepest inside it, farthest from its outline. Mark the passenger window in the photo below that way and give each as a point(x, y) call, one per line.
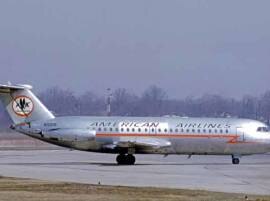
point(176, 130)
point(187, 130)
point(159, 130)
point(105, 129)
point(122, 129)
point(146, 130)
point(99, 129)
point(199, 130)
point(227, 131)
point(182, 130)
point(204, 130)
point(116, 129)
point(221, 131)
point(133, 130)
point(110, 129)
point(171, 130)
point(193, 130)
point(139, 130)
point(165, 130)
point(210, 131)
point(216, 131)
point(127, 129)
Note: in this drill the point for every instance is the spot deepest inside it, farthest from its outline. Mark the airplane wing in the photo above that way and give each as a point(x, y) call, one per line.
point(140, 143)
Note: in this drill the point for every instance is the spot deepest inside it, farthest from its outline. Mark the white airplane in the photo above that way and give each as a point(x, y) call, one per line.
point(127, 136)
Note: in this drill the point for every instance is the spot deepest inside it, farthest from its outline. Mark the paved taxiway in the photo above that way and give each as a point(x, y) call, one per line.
point(214, 173)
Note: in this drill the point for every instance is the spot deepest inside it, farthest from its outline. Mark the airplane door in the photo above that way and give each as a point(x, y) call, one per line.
point(241, 134)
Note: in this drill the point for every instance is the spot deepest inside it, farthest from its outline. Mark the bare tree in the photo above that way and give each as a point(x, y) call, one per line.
point(124, 103)
point(213, 105)
point(248, 109)
point(152, 102)
point(265, 106)
point(91, 104)
point(61, 102)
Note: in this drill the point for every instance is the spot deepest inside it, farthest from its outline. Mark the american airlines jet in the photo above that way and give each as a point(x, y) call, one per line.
point(127, 136)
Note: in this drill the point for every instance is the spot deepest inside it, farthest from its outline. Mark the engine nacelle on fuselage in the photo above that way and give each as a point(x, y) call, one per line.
point(70, 135)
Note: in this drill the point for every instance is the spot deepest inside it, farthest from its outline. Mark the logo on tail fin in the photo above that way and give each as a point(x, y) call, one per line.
point(22, 106)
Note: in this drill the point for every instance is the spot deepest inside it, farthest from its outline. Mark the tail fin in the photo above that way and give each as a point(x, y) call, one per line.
point(22, 105)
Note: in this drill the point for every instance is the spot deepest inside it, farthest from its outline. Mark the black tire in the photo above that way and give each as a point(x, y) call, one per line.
point(130, 159)
point(235, 161)
point(120, 159)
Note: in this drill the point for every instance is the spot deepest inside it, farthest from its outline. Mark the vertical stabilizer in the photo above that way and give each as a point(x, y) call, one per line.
point(22, 105)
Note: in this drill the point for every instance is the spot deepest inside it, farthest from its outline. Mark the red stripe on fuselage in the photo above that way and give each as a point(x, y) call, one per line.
point(169, 135)
point(232, 138)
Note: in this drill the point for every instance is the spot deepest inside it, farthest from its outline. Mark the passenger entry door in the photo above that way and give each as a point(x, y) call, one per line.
point(241, 134)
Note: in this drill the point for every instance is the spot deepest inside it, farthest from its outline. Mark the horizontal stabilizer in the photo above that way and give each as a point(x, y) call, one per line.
point(9, 88)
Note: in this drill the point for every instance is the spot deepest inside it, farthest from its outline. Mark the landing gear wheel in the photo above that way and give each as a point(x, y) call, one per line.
point(120, 159)
point(235, 161)
point(128, 159)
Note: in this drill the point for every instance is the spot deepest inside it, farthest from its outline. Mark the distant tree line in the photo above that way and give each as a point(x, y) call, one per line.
point(154, 101)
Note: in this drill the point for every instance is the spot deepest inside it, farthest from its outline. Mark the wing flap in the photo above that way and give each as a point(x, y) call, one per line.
point(152, 142)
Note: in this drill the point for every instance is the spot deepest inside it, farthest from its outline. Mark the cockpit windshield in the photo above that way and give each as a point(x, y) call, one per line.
point(263, 129)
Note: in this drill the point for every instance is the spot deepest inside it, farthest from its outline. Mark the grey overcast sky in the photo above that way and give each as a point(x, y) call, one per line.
point(186, 47)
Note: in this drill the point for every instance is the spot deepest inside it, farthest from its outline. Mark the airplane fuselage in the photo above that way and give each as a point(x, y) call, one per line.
point(192, 136)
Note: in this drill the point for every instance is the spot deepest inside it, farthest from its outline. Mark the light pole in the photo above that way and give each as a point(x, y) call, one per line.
point(109, 101)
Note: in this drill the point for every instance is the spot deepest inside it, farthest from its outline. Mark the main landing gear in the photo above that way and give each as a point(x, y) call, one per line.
point(125, 159)
point(235, 160)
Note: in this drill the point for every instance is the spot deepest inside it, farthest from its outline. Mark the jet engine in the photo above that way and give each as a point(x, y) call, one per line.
point(70, 135)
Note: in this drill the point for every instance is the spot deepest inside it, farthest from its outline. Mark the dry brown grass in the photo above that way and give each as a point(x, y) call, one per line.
point(12, 189)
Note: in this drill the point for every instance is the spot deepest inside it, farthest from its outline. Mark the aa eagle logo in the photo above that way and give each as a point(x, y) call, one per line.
point(22, 106)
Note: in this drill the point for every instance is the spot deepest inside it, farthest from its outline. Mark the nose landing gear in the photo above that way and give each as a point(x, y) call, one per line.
point(125, 159)
point(235, 160)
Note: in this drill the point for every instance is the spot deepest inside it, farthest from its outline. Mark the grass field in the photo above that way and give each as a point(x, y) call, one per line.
point(12, 189)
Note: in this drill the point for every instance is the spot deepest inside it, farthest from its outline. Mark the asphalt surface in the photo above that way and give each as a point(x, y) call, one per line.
point(215, 173)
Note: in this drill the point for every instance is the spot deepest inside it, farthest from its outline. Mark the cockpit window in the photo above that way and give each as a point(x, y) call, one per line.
point(263, 129)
